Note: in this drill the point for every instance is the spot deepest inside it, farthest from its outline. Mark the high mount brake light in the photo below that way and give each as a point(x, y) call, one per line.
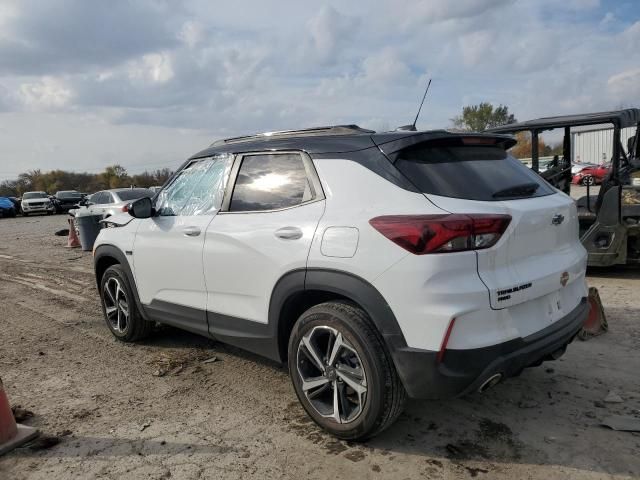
point(422, 234)
point(479, 141)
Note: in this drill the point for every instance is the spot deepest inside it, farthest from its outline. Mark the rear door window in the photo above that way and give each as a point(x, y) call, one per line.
point(271, 182)
point(472, 172)
point(99, 198)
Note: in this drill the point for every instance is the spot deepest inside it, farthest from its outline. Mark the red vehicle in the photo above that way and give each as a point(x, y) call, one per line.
point(591, 175)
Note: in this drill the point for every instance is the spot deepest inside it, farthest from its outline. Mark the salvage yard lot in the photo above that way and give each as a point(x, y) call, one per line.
point(158, 410)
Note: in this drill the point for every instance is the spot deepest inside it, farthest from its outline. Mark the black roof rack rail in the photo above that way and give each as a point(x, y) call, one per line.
point(306, 132)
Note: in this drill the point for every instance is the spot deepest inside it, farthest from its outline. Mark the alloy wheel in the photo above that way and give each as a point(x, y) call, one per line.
point(333, 377)
point(116, 305)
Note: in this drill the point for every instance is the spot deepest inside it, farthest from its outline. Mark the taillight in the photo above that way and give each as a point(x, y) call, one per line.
point(422, 234)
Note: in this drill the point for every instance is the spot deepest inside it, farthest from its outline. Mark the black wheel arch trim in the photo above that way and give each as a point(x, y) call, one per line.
point(268, 340)
point(114, 252)
point(359, 291)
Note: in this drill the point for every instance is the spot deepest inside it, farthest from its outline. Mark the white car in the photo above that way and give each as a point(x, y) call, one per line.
point(111, 202)
point(36, 202)
point(377, 266)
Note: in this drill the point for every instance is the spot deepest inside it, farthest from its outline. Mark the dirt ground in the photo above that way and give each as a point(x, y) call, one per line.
point(156, 410)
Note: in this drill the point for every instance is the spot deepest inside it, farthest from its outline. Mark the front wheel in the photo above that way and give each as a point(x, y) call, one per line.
point(342, 372)
point(119, 307)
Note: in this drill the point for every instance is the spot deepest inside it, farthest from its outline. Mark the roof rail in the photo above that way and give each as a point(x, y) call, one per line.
point(315, 131)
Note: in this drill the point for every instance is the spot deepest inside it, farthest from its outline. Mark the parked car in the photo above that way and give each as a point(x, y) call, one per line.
point(110, 202)
point(7, 208)
point(377, 266)
point(16, 204)
point(576, 167)
point(36, 202)
point(591, 175)
point(67, 199)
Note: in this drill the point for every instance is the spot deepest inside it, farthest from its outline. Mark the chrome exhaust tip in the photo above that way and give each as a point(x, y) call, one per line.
point(492, 381)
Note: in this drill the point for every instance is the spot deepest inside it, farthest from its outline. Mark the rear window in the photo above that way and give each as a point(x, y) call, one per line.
point(134, 194)
point(63, 195)
point(486, 173)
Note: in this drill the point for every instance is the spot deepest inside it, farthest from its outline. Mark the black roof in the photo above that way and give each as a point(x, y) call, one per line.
point(629, 117)
point(337, 139)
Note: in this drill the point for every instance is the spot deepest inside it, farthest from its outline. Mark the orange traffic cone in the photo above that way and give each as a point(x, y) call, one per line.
point(596, 322)
point(72, 240)
point(12, 435)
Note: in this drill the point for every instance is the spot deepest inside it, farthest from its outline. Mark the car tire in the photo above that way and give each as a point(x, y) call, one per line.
point(588, 180)
point(360, 381)
point(119, 306)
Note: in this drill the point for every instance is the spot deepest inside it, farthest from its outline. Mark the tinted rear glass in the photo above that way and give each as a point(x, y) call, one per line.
point(469, 172)
point(134, 194)
point(68, 195)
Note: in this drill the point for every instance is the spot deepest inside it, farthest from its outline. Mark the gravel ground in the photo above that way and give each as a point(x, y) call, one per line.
point(155, 410)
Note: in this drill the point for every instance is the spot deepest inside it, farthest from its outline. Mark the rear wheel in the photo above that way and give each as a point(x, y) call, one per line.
point(342, 372)
point(588, 180)
point(119, 307)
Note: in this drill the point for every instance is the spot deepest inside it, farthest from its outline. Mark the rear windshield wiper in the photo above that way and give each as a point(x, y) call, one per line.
point(522, 190)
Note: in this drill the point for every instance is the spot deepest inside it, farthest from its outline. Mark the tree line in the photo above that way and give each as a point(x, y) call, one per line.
point(478, 118)
point(114, 176)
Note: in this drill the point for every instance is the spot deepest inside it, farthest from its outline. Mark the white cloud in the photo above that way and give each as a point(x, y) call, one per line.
point(192, 33)
point(47, 93)
point(253, 66)
point(153, 67)
point(625, 85)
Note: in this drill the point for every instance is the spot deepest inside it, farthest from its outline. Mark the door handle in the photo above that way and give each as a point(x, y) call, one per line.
point(191, 231)
point(289, 233)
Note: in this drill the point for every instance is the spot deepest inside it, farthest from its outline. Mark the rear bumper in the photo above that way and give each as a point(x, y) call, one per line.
point(463, 371)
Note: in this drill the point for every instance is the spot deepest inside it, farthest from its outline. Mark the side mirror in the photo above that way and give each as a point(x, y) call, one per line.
point(141, 208)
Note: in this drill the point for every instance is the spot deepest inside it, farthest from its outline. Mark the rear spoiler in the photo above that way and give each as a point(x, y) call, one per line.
point(443, 137)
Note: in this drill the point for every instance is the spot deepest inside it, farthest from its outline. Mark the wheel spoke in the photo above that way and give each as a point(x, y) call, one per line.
point(124, 308)
point(314, 383)
point(108, 292)
point(318, 391)
point(119, 325)
point(119, 291)
point(336, 404)
point(110, 310)
point(358, 387)
point(312, 353)
point(337, 345)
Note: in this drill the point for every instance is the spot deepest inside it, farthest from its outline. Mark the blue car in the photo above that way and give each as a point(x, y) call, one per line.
point(7, 209)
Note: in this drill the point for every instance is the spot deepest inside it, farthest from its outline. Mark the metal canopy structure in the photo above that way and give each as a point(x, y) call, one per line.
point(629, 117)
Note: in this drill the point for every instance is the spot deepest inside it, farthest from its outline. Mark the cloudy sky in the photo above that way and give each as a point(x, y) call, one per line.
point(146, 83)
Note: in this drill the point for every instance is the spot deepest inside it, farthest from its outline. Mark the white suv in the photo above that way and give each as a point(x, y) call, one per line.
point(427, 264)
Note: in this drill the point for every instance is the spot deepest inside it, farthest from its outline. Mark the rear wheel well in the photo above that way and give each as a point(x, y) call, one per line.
point(295, 306)
point(102, 264)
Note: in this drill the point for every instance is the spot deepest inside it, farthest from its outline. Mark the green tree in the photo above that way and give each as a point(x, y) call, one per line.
point(478, 118)
point(116, 176)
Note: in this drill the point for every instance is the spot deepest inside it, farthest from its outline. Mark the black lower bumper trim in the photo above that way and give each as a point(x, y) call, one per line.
point(463, 371)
